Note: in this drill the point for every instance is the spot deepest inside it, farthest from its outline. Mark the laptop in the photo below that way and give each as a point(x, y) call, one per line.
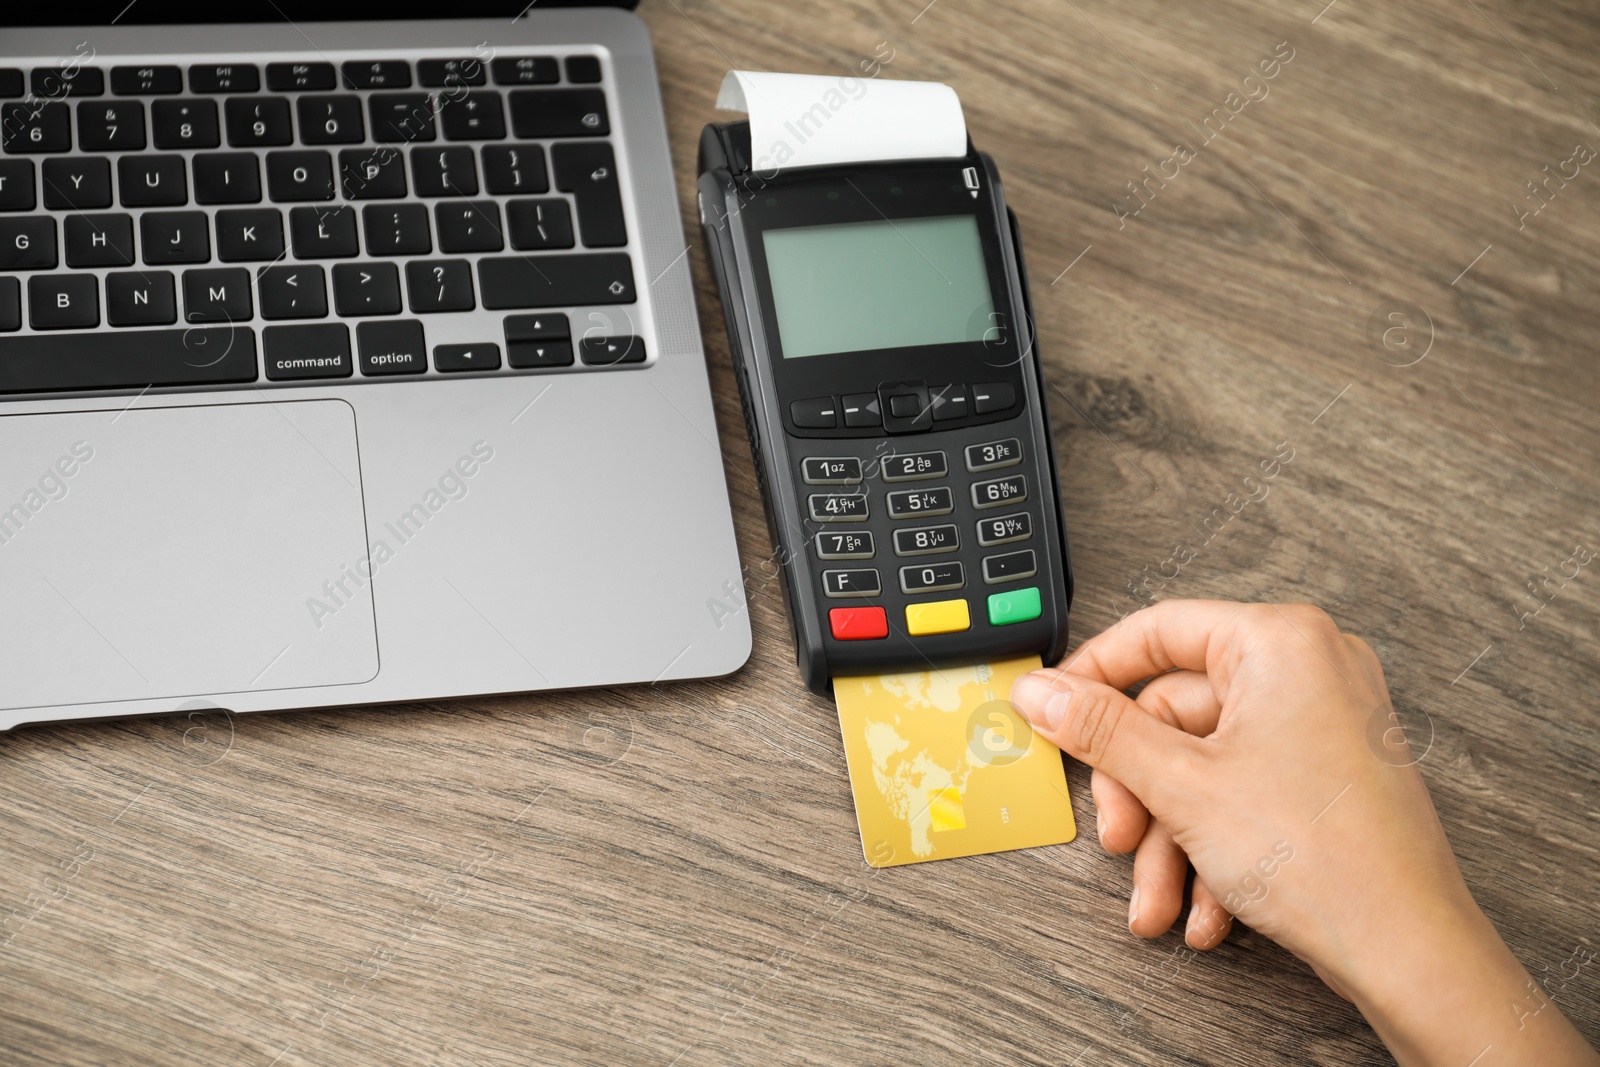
point(348, 355)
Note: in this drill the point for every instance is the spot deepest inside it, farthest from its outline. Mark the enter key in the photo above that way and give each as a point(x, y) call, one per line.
point(589, 173)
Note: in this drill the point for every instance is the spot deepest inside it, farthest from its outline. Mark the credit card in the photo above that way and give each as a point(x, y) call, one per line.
point(943, 765)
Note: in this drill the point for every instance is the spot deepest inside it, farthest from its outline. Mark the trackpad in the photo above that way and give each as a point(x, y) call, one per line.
point(176, 552)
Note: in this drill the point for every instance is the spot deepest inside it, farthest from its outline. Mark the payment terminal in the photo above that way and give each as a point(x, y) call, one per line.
point(879, 321)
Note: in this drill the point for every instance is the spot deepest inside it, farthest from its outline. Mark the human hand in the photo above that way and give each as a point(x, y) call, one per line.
point(1248, 755)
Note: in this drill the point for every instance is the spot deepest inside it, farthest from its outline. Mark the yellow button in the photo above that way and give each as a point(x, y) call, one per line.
point(939, 617)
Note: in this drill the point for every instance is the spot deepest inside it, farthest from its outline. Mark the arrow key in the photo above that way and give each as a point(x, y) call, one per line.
point(524, 355)
point(454, 358)
point(610, 351)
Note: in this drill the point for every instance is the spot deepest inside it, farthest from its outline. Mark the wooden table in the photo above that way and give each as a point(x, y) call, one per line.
point(672, 875)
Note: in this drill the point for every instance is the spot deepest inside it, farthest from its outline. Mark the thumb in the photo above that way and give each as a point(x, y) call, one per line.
point(1100, 726)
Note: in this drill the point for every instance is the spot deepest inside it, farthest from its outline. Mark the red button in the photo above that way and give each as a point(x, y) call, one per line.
point(858, 624)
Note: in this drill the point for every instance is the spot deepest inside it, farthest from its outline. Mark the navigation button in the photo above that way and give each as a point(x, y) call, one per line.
point(612, 350)
point(454, 358)
point(861, 409)
point(949, 402)
point(992, 397)
point(819, 413)
point(524, 355)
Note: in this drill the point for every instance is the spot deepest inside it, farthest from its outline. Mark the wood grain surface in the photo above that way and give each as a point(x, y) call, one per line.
point(671, 875)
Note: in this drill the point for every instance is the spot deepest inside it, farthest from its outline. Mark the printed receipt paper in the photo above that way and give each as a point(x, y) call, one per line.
point(942, 765)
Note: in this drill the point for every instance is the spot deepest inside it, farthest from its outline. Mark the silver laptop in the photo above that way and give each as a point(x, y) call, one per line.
point(347, 358)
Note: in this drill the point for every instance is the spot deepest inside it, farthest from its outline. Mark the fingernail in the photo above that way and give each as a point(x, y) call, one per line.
point(1133, 908)
point(1194, 919)
point(1102, 825)
point(1032, 694)
point(1056, 710)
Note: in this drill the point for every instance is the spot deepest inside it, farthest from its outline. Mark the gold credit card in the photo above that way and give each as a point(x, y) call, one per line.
point(942, 765)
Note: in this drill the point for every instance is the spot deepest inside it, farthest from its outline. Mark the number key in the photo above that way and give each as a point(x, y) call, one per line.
point(1002, 529)
point(846, 544)
point(837, 507)
point(932, 577)
point(184, 123)
point(258, 120)
point(845, 470)
point(110, 125)
point(914, 465)
point(44, 127)
point(914, 503)
point(994, 454)
point(1000, 492)
point(330, 119)
point(926, 540)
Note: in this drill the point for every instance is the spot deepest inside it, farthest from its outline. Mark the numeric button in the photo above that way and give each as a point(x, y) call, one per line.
point(330, 119)
point(926, 540)
point(43, 127)
point(860, 582)
point(993, 455)
point(914, 503)
point(1000, 492)
point(254, 121)
point(184, 124)
point(913, 466)
point(111, 126)
point(1003, 529)
point(845, 470)
point(837, 507)
point(932, 577)
point(845, 544)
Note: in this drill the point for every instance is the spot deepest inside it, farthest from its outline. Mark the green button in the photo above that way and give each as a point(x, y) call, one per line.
point(1018, 605)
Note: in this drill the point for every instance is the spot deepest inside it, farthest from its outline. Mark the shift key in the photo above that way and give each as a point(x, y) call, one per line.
point(556, 280)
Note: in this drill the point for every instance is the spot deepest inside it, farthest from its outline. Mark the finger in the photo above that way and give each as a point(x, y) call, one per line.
point(1183, 699)
point(1120, 817)
point(1103, 728)
point(1171, 633)
point(1159, 868)
point(1209, 922)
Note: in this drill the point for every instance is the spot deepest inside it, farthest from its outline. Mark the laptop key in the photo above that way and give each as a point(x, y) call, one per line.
point(323, 232)
point(469, 226)
point(28, 243)
point(111, 126)
point(559, 113)
point(453, 359)
point(10, 305)
point(16, 185)
point(218, 295)
point(317, 351)
point(472, 116)
point(76, 183)
point(189, 123)
point(174, 237)
point(245, 234)
point(611, 351)
point(531, 281)
point(300, 175)
point(257, 121)
point(448, 72)
point(53, 83)
point(152, 181)
point(513, 169)
point(376, 74)
point(439, 285)
point(583, 69)
point(525, 70)
point(300, 77)
point(396, 230)
point(45, 127)
point(366, 289)
point(330, 119)
point(140, 298)
point(98, 240)
point(444, 172)
point(539, 224)
point(146, 80)
point(589, 172)
point(63, 301)
point(401, 118)
point(226, 178)
point(296, 292)
point(395, 347)
point(372, 173)
point(11, 81)
point(224, 78)
point(63, 362)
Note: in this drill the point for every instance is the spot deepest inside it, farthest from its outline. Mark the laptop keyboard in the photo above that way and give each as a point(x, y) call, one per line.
point(231, 222)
